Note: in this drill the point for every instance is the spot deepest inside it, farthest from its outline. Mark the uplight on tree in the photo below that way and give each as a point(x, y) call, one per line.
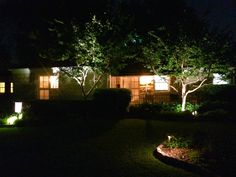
point(187, 61)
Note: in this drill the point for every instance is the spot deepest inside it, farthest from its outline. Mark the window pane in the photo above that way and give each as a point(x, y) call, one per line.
point(2, 87)
point(44, 82)
point(161, 83)
point(146, 80)
point(44, 94)
point(12, 88)
point(54, 81)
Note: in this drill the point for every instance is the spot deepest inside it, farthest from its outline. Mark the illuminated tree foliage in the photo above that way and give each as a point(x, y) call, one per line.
point(187, 61)
point(85, 52)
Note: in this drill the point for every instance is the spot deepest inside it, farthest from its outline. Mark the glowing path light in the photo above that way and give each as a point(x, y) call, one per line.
point(18, 107)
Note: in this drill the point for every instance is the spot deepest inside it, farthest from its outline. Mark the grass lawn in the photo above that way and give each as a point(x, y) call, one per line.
point(102, 148)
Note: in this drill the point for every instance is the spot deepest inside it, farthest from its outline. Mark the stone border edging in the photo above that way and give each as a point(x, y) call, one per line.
point(181, 164)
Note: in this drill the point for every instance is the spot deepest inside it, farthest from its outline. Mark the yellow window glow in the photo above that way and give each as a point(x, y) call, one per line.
point(43, 81)
point(12, 87)
point(2, 87)
point(44, 94)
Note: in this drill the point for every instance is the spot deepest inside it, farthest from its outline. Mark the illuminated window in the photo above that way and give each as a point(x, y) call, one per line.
point(44, 87)
point(161, 83)
point(44, 82)
point(44, 94)
point(2, 87)
point(218, 79)
point(12, 87)
point(145, 80)
point(54, 82)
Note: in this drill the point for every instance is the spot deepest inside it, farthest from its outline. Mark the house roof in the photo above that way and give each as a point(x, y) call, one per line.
point(133, 68)
point(40, 62)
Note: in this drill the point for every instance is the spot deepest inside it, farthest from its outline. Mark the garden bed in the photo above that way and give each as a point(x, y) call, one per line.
point(183, 158)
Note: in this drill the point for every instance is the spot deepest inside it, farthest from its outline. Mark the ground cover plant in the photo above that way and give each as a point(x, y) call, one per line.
point(97, 147)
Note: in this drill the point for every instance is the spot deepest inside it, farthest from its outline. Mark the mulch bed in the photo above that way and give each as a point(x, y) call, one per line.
point(179, 157)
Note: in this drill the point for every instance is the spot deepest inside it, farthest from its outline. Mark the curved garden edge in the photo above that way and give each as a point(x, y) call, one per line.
point(181, 164)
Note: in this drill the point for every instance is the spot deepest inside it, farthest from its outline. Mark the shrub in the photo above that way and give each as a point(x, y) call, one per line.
point(111, 101)
point(158, 111)
point(224, 93)
point(214, 105)
point(177, 107)
point(216, 115)
point(178, 142)
point(145, 110)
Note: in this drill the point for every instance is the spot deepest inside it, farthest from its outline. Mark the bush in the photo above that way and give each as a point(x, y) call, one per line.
point(111, 101)
point(165, 111)
point(177, 107)
point(215, 105)
point(145, 110)
point(217, 102)
point(58, 110)
point(216, 115)
point(211, 93)
point(178, 142)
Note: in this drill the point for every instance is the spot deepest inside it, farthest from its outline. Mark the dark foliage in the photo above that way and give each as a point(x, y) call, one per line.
point(217, 102)
point(217, 93)
point(159, 111)
point(41, 112)
point(111, 101)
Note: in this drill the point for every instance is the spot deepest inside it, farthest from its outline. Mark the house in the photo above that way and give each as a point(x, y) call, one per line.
point(40, 83)
point(144, 88)
point(48, 83)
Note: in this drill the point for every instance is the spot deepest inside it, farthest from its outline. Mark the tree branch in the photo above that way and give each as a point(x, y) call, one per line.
point(174, 88)
point(193, 82)
point(199, 86)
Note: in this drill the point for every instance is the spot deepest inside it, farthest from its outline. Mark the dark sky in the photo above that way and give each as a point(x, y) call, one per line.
point(220, 13)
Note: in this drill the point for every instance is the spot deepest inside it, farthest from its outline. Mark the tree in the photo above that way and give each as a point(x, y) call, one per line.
point(84, 51)
point(187, 61)
point(89, 56)
point(89, 48)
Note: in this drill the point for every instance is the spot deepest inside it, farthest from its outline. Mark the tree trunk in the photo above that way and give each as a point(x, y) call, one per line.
point(184, 97)
point(184, 102)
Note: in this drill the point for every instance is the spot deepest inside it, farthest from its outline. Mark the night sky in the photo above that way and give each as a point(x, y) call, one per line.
point(220, 16)
point(220, 13)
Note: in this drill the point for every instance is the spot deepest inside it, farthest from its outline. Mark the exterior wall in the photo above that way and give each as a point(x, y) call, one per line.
point(69, 89)
point(27, 85)
point(5, 80)
point(6, 95)
point(24, 84)
point(144, 89)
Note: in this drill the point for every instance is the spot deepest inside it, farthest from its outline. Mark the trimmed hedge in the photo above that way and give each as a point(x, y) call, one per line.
point(226, 93)
point(217, 102)
point(58, 109)
point(159, 111)
point(111, 101)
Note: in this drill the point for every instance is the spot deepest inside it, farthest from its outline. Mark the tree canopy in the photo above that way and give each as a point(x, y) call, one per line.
point(190, 62)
